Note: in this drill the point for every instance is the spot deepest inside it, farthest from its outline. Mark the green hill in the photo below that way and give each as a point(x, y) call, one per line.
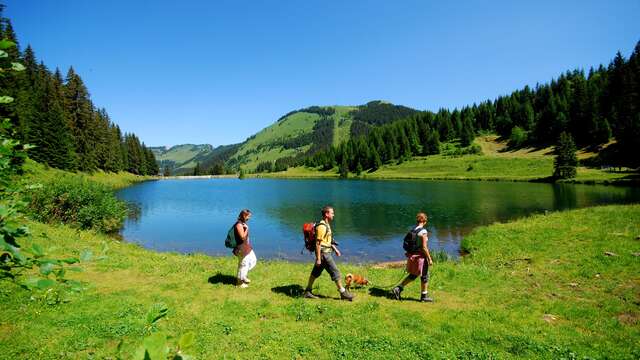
point(293, 136)
point(307, 131)
point(181, 158)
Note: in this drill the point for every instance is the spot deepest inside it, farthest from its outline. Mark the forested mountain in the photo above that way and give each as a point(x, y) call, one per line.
point(56, 116)
point(302, 133)
point(591, 108)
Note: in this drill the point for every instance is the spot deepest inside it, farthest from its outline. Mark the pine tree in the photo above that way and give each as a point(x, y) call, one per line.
point(343, 169)
point(566, 162)
point(80, 111)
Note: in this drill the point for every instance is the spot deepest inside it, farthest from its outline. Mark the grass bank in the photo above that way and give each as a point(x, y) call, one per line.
point(37, 173)
point(540, 287)
point(497, 162)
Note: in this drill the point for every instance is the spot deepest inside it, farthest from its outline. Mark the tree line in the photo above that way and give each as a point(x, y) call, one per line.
point(590, 108)
point(56, 116)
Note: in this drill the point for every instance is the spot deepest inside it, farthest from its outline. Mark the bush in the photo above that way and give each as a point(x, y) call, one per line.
point(518, 137)
point(78, 202)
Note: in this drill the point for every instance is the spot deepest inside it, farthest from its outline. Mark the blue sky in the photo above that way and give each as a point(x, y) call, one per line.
point(218, 71)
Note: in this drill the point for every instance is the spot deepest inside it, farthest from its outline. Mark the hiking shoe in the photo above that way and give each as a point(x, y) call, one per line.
point(425, 298)
point(395, 293)
point(345, 295)
point(309, 295)
point(243, 286)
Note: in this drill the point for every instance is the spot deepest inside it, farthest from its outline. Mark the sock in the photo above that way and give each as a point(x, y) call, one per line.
point(424, 293)
point(342, 289)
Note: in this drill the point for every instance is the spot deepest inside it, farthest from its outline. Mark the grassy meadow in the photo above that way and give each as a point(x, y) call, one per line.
point(497, 162)
point(540, 287)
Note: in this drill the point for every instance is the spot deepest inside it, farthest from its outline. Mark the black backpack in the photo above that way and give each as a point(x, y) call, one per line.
point(410, 243)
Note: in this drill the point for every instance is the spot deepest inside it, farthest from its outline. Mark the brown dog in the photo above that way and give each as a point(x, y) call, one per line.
point(356, 280)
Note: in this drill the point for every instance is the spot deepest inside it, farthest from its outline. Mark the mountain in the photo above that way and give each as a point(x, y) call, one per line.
point(294, 136)
point(301, 133)
point(181, 158)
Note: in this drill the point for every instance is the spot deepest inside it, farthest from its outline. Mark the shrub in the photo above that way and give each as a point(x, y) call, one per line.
point(78, 202)
point(518, 137)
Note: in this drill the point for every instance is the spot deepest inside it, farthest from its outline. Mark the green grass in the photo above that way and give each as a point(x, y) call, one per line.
point(492, 304)
point(36, 172)
point(290, 127)
point(495, 163)
point(183, 154)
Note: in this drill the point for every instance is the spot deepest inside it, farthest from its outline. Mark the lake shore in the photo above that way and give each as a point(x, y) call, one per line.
point(559, 285)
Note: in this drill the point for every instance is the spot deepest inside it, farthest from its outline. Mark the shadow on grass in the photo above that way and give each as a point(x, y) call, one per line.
point(293, 291)
point(224, 279)
point(386, 293)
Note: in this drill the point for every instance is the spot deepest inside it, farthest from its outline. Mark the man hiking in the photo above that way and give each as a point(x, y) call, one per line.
point(418, 259)
point(324, 258)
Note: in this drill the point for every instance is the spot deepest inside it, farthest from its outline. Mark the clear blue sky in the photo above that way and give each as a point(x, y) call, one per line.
point(216, 72)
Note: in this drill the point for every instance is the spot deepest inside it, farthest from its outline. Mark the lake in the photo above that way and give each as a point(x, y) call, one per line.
point(371, 217)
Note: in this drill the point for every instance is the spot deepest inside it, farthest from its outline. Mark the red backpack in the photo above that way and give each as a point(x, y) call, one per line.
point(309, 233)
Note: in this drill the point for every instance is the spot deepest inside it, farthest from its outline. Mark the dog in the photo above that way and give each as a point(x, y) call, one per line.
point(356, 280)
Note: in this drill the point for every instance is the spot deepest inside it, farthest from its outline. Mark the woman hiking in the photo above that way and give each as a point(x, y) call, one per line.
point(243, 250)
point(418, 259)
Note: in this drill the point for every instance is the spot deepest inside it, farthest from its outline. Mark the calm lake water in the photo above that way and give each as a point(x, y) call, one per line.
point(371, 216)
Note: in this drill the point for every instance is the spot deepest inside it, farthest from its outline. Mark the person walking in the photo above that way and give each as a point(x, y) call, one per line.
point(418, 259)
point(324, 258)
point(243, 249)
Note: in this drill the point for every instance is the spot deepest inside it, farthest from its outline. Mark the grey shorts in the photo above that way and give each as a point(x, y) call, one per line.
point(329, 264)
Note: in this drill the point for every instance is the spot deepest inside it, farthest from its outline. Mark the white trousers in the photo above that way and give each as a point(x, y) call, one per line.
point(245, 264)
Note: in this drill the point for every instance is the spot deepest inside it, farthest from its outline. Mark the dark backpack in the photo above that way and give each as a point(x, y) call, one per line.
point(410, 243)
point(230, 241)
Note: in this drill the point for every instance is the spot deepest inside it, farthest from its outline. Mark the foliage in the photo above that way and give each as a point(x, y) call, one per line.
point(565, 163)
point(16, 262)
point(158, 345)
point(518, 137)
point(79, 202)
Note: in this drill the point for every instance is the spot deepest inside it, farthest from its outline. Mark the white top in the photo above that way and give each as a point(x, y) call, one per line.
point(423, 231)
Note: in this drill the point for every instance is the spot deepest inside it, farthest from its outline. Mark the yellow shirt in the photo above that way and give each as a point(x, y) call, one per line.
point(323, 233)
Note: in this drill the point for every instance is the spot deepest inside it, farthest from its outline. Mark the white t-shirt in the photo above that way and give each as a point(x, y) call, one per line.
point(423, 231)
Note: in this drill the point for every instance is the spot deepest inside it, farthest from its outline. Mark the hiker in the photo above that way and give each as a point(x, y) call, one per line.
point(325, 246)
point(243, 249)
point(418, 259)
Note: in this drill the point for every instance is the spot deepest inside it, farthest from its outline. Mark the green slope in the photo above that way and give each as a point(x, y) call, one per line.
point(307, 130)
point(294, 135)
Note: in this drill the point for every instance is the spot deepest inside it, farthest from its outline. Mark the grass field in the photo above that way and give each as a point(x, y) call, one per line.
point(496, 162)
point(540, 287)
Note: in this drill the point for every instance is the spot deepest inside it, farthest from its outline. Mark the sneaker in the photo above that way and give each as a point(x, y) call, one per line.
point(309, 295)
point(345, 295)
point(425, 298)
point(243, 286)
point(396, 292)
point(247, 280)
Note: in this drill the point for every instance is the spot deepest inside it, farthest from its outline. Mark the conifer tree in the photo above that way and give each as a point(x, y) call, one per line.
point(566, 162)
point(80, 111)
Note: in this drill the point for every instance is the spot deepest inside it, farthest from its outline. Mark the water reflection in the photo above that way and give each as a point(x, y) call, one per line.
point(371, 216)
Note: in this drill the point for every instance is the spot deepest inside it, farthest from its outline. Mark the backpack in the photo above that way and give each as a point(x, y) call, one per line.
point(230, 240)
point(309, 234)
point(410, 243)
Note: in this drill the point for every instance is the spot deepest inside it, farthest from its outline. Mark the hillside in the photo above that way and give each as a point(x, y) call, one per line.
point(306, 131)
point(293, 136)
point(497, 161)
point(181, 158)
